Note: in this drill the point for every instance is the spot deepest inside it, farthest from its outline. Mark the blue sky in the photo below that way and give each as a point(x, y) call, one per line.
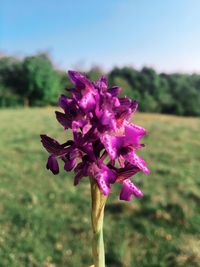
point(164, 34)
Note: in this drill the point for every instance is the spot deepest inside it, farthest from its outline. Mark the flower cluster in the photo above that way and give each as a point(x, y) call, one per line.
point(104, 140)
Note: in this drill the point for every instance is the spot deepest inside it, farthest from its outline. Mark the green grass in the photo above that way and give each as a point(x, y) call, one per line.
point(44, 219)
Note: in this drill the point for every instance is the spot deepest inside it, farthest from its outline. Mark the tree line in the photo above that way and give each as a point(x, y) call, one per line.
point(34, 81)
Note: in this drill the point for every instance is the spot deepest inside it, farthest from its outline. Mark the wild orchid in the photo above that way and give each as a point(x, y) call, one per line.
point(103, 148)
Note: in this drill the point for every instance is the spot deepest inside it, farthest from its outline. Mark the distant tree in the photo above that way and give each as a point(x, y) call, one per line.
point(186, 95)
point(8, 67)
point(40, 81)
point(162, 95)
point(34, 81)
point(10, 81)
point(8, 98)
point(148, 103)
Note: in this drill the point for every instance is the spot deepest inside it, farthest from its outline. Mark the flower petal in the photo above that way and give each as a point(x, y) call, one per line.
point(112, 144)
point(103, 186)
point(126, 109)
point(81, 170)
point(52, 146)
point(76, 124)
point(63, 102)
point(128, 189)
point(125, 101)
point(52, 165)
point(126, 172)
point(133, 134)
point(80, 80)
point(69, 164)
point(111, 175)
point(63, 119)
point(88, 149)
point(136, 160)
point(87, 102)
point(87, 89)
point(101, 83)
point(71, 158)
point(107, 117)
point(86, 128)
point(134, 106)
point(101, 177)
point(115, 90)
point(78, 177)
point(79, 173)
point(75, 93)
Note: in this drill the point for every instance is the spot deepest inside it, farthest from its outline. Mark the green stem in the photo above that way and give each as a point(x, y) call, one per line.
point(98, 204)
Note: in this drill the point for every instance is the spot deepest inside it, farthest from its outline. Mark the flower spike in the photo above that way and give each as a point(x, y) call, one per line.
point(105, 140)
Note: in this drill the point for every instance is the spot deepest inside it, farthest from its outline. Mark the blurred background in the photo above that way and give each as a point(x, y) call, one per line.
point(152, 50)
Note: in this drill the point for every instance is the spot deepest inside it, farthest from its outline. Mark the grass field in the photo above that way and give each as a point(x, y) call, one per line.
point(44, 219)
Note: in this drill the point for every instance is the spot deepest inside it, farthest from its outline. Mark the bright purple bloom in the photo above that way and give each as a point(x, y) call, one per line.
point(104, 140)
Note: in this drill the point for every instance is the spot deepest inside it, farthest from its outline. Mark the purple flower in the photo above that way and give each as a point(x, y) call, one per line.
point(52, 164)
point(104, 141)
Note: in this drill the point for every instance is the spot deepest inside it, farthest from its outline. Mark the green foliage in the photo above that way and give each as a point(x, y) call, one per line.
point(45, 219)
point(8, 98)
point(34, 81)
point(173, 93)
point(148, 103)
point(41, 83)
point(10, 81)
